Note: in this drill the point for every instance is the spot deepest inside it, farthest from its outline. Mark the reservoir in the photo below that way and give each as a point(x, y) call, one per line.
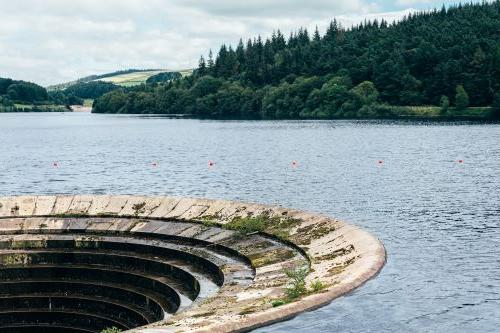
point(429, 190)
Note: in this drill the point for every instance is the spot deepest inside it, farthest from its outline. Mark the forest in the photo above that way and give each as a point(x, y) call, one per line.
point(22, 96)
point(447, 59)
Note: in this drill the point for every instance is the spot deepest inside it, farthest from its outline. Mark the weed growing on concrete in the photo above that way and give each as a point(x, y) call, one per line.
point(317, 286)
point(297, 285)
point(139, 208)
point(278, 302)
point(111, 330)
point(248, 225)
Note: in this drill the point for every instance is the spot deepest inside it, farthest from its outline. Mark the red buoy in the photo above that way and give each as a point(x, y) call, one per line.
point(460, 161)
point(380, 162)
point(211, 163)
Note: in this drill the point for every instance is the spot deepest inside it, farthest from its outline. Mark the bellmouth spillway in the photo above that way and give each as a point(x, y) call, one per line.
point(163, 264)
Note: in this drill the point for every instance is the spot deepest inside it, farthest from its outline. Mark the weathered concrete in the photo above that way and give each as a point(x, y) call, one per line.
point(341, 256)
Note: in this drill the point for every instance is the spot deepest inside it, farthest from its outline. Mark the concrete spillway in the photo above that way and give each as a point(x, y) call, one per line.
point(84, 264)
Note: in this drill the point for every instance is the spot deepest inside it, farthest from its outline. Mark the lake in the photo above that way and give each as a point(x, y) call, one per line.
point(430, 191)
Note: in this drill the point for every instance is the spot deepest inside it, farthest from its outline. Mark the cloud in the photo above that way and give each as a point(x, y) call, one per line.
point(413, 2)
point(266, 8)
point(53, 41)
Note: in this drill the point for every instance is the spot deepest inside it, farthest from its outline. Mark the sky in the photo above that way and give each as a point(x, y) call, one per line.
point(55, 41)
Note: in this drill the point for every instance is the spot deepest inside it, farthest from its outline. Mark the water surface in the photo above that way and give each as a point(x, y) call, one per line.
point(439, 219)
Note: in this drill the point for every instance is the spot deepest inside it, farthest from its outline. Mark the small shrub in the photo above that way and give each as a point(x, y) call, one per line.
point(111, 330)
point(278, 302)
point(317, 285)
point(297, 285)
point(139, 208)
point(461, 98)
point(445, 104)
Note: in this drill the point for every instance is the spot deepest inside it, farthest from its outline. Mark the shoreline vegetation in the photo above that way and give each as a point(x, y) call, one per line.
point(442, 64)
point(19, 108)
point(22, 96)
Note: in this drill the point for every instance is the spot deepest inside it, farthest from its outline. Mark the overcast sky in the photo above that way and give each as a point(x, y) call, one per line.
point(53, 41)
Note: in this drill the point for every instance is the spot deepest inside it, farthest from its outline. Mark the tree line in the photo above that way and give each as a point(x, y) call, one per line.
point(448, 58)
point(12, 91)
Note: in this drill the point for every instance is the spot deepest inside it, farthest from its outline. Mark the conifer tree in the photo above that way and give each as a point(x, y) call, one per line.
point(210, 63)
point(202, 67)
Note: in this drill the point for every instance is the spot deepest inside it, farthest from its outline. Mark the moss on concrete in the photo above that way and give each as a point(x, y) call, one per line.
point(271, 257)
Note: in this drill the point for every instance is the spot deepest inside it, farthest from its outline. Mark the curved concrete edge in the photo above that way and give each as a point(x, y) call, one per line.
point(374, 259)
point(342, 256)
point(310, 303)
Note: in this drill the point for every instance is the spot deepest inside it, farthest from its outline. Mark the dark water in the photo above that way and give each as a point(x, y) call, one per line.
point(439, 219)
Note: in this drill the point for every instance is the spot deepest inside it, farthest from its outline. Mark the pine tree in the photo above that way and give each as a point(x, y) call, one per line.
point(211, 63)
point(202, 67)
point(317, 36)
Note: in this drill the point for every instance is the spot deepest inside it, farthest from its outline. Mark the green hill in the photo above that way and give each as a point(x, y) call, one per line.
point(124, 78)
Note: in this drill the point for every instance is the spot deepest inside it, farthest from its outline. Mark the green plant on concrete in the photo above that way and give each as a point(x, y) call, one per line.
point(273, 225)
point(317, 286)
point(297, 285)
point(111, 330)
point(278, 302)
point(248, 225)
point(139, 208)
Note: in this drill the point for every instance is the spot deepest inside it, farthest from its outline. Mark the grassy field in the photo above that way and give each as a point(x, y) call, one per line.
point(137, 78)
point(125, 80)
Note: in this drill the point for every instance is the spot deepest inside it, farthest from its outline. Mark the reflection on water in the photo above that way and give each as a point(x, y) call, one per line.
point(439, 218)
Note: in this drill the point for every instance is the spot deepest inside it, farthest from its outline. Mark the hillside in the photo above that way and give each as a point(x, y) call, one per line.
point(124, 78)
point(448, 58)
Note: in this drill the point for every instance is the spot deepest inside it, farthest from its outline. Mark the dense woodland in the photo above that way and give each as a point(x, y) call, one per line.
point(22, 96)
point(90, 90)
point(21, 91)
point(447, 57)
point(163, 77)
point(27, 96)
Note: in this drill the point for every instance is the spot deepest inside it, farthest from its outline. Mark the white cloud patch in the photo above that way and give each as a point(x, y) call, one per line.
point(286, 8)
point(52, 41)
point(413, 2)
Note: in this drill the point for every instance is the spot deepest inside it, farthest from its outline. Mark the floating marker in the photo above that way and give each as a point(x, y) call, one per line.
point(460, 161)
point(380, 162)
point(55, 164)
point(155, 164)
point(211, 164)
point(295, 164)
